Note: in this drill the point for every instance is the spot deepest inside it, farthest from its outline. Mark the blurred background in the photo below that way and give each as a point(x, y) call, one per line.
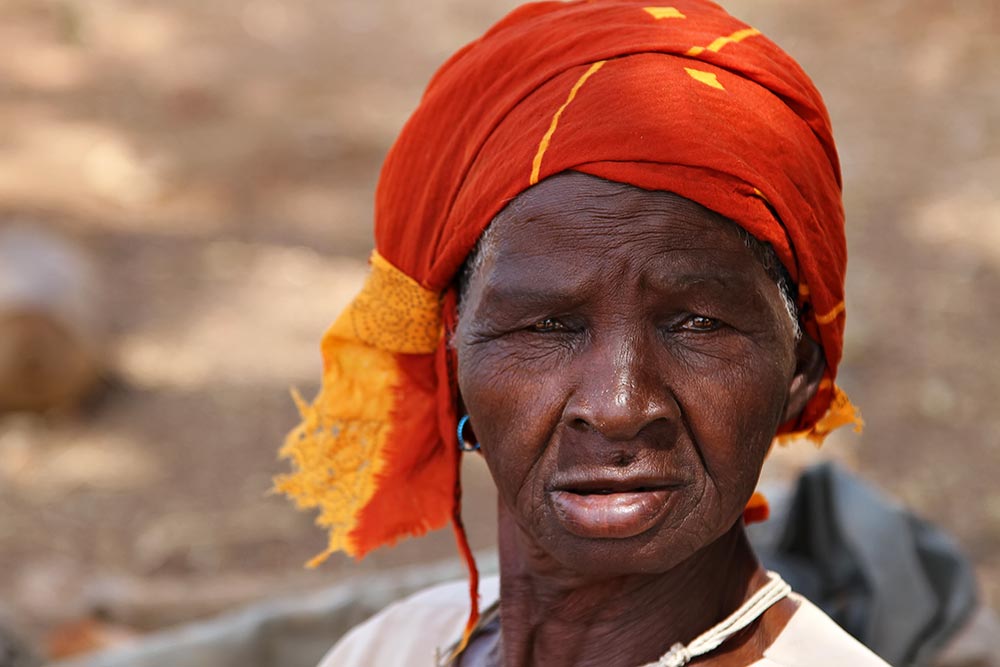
point(185, 203)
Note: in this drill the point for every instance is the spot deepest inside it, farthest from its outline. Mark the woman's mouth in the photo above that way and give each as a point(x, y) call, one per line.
point(611, 511)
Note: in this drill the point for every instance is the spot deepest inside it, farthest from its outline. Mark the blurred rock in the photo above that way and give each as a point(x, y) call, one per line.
point(50, 322)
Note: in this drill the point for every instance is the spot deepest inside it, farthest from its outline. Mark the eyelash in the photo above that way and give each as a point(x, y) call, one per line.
point(707, 325)
point(548, 325)
point(713, 324)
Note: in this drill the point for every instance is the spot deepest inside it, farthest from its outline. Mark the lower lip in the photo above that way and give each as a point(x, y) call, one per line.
point(612, 515)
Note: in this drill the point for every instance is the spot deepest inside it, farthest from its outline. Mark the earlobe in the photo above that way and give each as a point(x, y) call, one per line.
point(466, 435)
point(809, 367)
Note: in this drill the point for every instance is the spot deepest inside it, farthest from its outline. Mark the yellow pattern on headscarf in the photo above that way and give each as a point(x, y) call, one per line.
point(664, 13)
point(392, 312)
point(720, 42)
point(543, 146)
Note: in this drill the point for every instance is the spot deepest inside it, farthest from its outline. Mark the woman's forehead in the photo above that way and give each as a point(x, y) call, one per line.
point(576, 214)
point(571, 190)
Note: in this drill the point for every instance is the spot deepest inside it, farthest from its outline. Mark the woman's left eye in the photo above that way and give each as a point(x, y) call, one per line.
point(548, 325)
point(699, 323)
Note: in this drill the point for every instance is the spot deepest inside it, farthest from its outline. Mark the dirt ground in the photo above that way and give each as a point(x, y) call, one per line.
point(217, 160)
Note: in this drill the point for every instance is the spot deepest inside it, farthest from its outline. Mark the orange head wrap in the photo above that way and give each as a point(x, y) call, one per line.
point(682, 98)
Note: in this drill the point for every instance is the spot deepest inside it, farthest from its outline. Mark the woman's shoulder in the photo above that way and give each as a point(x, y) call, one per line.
point(813, 638)
point(412, 630)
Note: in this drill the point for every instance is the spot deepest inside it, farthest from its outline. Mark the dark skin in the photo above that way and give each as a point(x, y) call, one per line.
point(625, 361)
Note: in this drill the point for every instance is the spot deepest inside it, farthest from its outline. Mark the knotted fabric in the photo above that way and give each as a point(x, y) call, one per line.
point(682, 98)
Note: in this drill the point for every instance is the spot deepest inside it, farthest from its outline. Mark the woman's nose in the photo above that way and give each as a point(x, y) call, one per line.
point(621, 390)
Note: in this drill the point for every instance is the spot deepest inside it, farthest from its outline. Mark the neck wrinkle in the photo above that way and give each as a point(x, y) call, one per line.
point(559, 618)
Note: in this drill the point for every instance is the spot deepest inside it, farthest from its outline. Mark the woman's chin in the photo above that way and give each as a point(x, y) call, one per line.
point(619, 546)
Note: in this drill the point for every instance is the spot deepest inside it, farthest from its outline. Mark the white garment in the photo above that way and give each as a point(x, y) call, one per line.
point(410, 633)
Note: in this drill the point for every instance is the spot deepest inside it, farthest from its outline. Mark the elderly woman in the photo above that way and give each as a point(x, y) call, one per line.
point(610, 258)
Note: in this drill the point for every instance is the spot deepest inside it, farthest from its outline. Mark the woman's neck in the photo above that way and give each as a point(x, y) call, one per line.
point(553, 617)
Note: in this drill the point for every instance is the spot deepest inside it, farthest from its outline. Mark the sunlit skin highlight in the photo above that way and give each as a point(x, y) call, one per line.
point(625, 361)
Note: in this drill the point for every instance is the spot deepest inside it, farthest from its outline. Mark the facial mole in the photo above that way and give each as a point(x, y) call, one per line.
point(621, 459)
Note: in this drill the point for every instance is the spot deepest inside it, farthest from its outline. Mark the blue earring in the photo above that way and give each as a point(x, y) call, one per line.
point(462, 444)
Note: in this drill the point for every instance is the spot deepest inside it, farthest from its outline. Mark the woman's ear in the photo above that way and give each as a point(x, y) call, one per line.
point(809, 367)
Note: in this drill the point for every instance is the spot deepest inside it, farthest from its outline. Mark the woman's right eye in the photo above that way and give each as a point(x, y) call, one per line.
point(548, 325)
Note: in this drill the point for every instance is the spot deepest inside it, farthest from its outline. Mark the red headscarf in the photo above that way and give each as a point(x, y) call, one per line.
point(681, 98)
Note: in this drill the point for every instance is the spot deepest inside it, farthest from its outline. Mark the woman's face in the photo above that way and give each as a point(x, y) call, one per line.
point(625, 361)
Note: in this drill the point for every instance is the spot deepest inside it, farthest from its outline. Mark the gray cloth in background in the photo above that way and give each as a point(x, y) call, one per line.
point(895, 582)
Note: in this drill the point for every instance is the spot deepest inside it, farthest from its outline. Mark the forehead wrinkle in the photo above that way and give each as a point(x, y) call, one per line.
point(608, 232)
point(613, 219)
point(568, 196)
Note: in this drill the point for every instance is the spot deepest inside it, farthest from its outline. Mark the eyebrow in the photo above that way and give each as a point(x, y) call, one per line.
point(532, 294)
point(727, 279)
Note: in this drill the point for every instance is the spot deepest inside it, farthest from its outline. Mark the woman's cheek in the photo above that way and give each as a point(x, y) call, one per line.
point(521, 409)
point(732, 417)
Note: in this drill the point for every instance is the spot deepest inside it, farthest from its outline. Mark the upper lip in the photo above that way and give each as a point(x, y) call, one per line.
point(609, 482)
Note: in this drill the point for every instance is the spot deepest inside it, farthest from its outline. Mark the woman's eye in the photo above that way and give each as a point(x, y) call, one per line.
point(700, 323)
point(548, 325)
